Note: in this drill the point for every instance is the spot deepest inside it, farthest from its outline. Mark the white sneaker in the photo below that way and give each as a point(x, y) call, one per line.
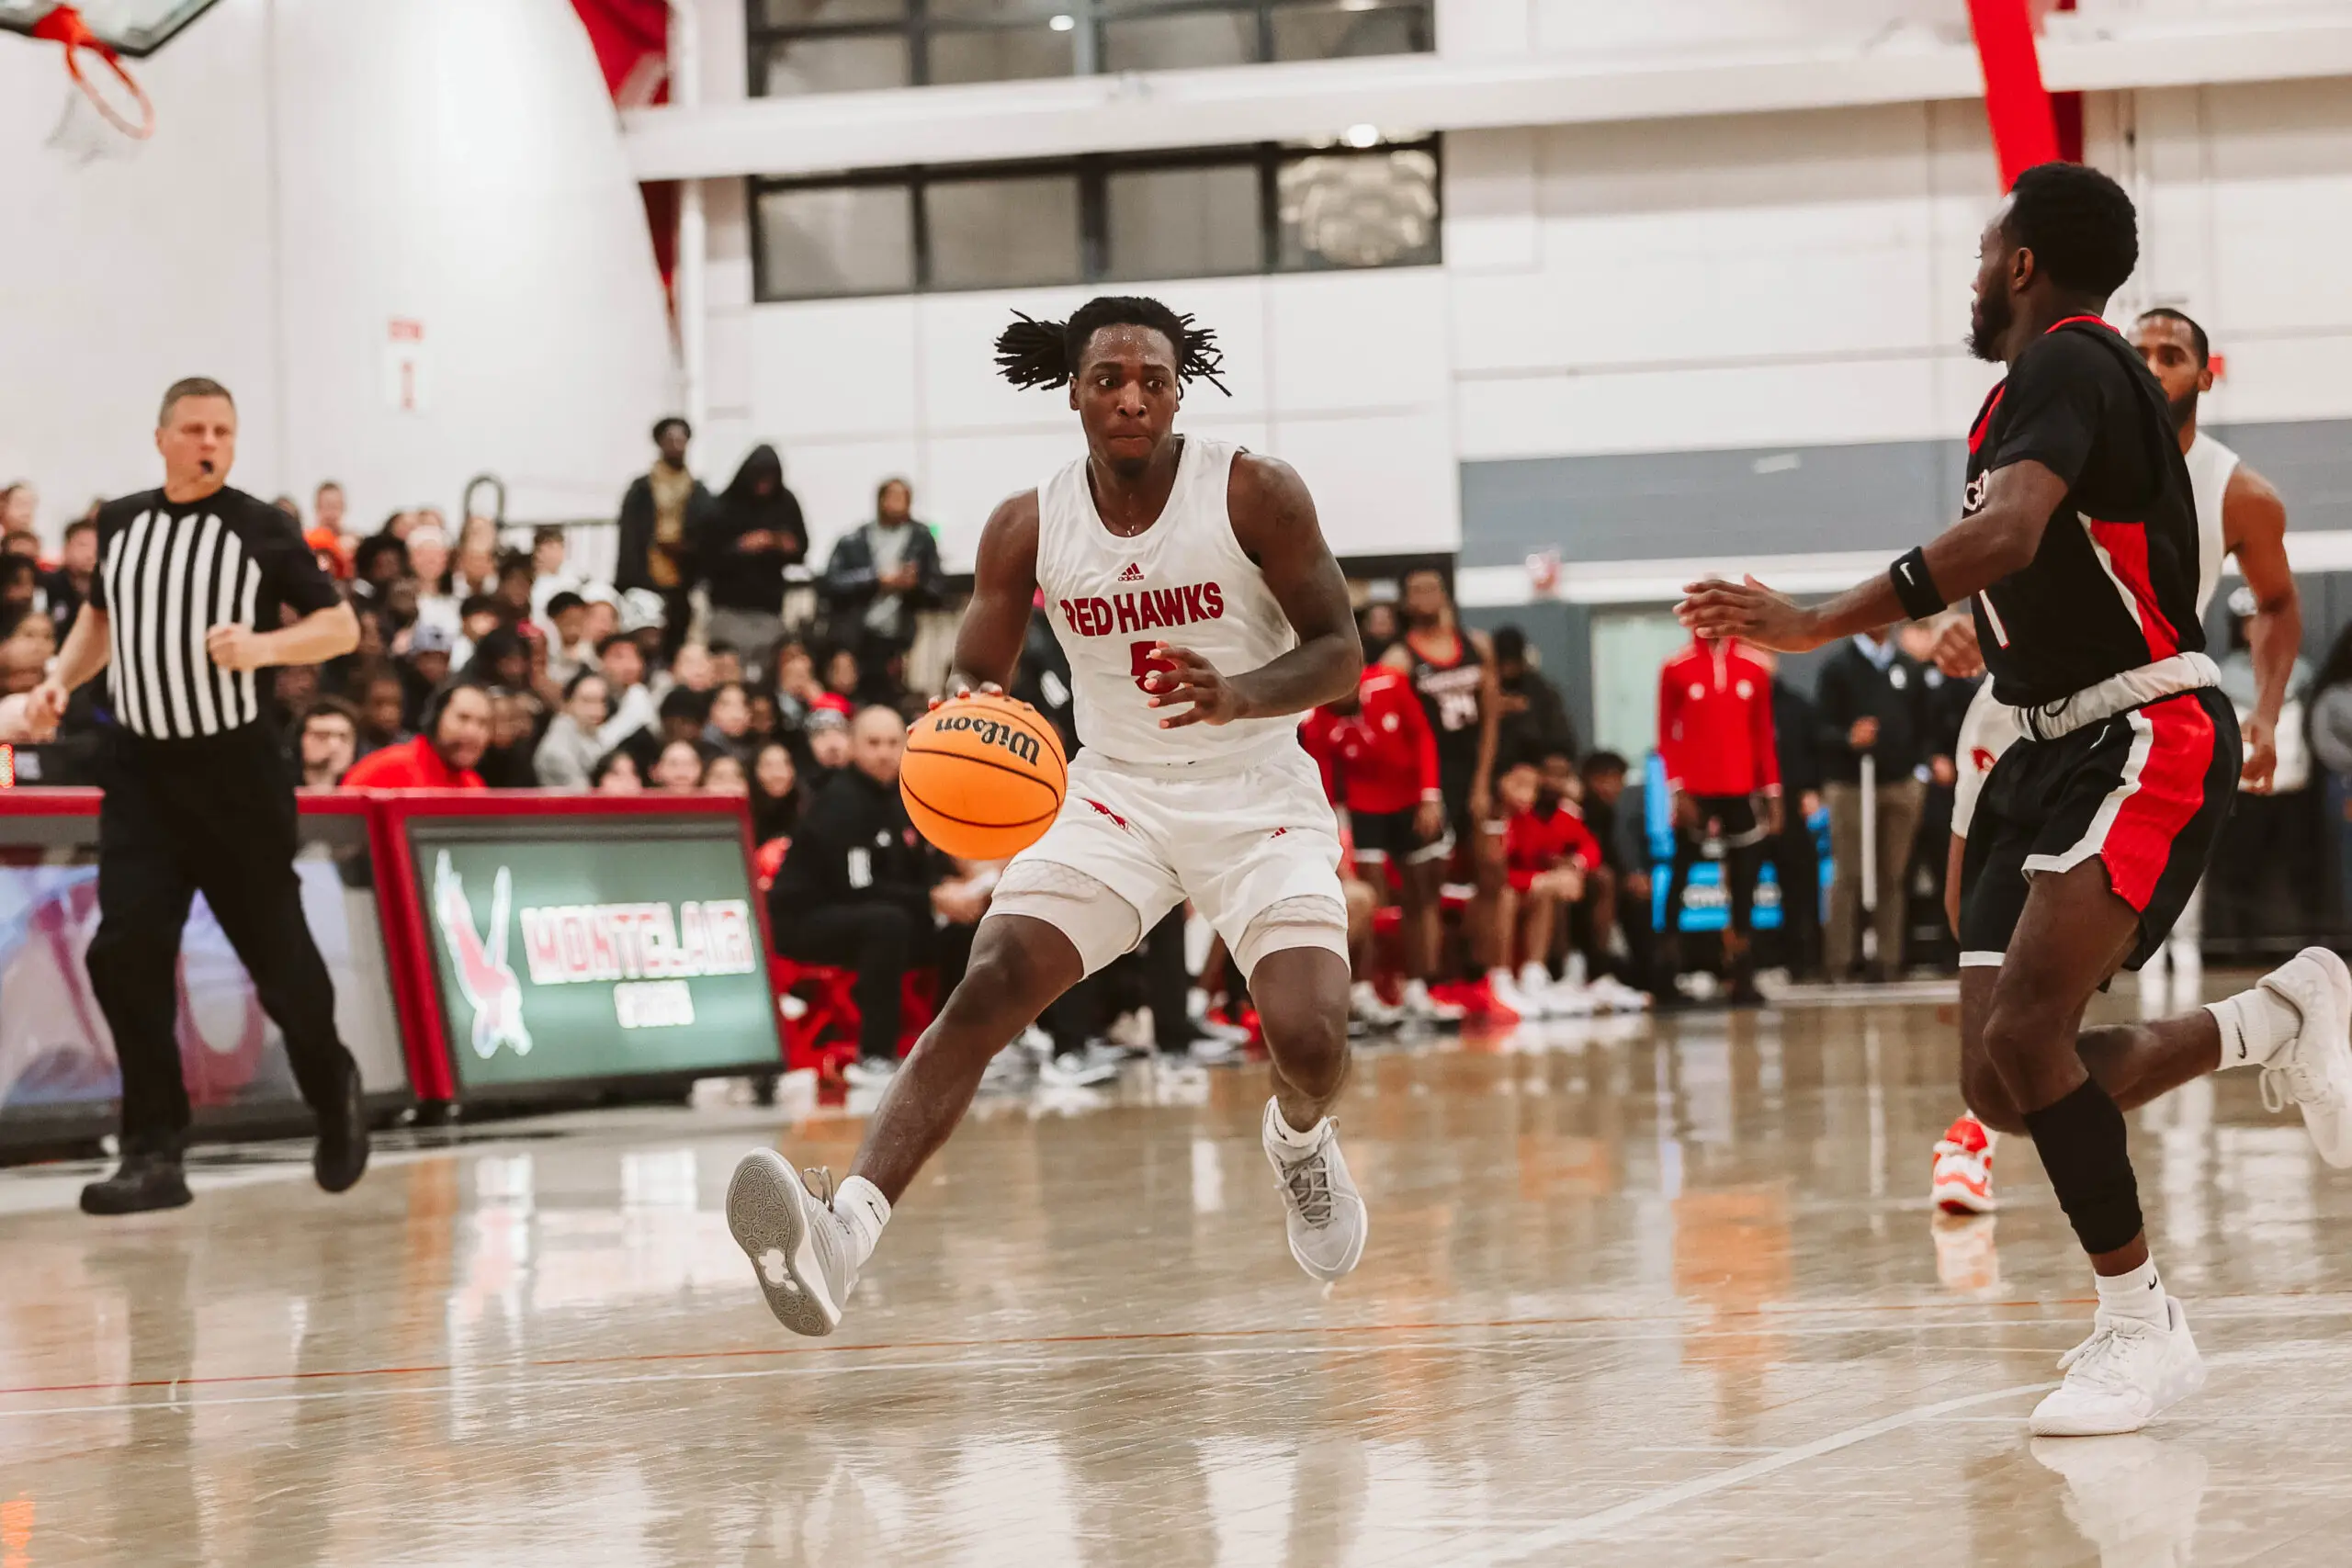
point(2122, 1377)
point(1364, 1002)
point(1508, 996)
point(1962, 1182)
point(2314, 1069)
point(1208, 1051)
point(1613, 995)
point(801, 1251)
point(1566, 1000)
point(1326, 1220)
point(863, 1074)
point(1076, 1070)
point(1420, 1007)
point(2135, 1498)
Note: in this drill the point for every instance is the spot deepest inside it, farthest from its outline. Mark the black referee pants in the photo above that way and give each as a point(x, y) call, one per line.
point(215, 816)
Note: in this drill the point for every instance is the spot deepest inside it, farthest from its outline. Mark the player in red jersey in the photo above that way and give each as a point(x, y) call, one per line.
point(1714, 735)
point(1548, 855)
point(1380, 760)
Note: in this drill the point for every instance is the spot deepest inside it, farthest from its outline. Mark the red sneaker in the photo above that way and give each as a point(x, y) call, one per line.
point(1962, 1182)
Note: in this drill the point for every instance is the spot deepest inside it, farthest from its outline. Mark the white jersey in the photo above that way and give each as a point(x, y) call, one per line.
point(1184, 581)
point(1990, 726)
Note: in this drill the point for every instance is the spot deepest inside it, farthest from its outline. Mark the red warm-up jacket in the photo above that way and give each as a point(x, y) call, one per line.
point(1714, 723)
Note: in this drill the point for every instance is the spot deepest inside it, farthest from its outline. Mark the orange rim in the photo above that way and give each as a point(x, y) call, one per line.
point(138, 131)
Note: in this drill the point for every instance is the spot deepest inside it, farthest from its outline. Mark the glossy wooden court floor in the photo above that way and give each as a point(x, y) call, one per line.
point(1640, 1295)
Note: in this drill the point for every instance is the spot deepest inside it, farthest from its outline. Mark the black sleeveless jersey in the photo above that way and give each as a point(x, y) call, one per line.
point(2113, 585)
point(1450, 695)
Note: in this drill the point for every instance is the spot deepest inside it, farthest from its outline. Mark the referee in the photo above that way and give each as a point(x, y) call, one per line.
point(200, 589)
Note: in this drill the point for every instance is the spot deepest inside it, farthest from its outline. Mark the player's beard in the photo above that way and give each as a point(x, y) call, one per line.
point(2183, 410)
point(1988, 323)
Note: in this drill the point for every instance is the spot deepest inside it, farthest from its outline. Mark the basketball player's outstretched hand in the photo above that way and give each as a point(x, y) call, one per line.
point(1180, 675)
point(1749, 611)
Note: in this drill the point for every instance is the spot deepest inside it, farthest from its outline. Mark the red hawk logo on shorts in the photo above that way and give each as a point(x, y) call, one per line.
point(1278, 832)
point(1982, 759)
point(1105, 811)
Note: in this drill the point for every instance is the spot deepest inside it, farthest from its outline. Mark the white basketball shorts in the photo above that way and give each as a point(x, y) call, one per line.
point(1237, 842)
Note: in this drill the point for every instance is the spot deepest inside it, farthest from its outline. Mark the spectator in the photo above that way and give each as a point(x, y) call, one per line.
point(683, 715)
point(763, 727)
point(1624, 940)
point(826, 733)
point(569, 752)
point(1534, 722)
point(457, 733)
point(857, 890)
point(69, 585)
point(568, 650)
point(20, 583)
point(428, 561)
point(679, 769)
point(844, 676)
point(1794, 853)
point(633, 708)
point(506, 762)
point(726, 663)
point(1868, 700)
point(724, 775)
point(328, 509)
point(880, 575)
point(379, 561)
point(730, 723)
point(756, 531)
point(603, 615)
point(665, 511)
point(551, 549)
point(1714, 737)
point(292, 695)
point(775, 794)
point(474, 571)
point(27, 642)
point(1548, 854)
point(425, 667)
point(1376, 627)
point(514, 591)
point(19, 508)
point(383, 705)
point(691, 670)
point(499, 658)
point(618, 773)
point(328, 743)
point(478, 615)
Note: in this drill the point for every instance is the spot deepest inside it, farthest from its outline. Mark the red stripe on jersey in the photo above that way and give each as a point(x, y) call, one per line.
point(1984, 418)
point(2070, 321)
point(2126, 544)
point(2171, 791)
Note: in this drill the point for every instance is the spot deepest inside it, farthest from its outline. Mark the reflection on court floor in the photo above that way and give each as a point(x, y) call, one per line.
point(1637, 1293)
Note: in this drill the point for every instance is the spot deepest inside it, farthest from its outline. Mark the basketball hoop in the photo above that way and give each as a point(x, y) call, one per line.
point(66, 27)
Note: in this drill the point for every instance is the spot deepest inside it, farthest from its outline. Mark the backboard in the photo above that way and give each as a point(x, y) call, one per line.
point(133, 27)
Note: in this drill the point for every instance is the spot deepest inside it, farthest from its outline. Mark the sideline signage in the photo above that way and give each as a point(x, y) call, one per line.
point(593, 949)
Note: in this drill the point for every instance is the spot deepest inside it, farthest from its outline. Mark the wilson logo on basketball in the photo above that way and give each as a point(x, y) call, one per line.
point(991, 732)
point(1146, 608)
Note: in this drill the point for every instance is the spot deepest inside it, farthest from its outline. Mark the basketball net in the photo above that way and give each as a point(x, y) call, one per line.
point(108, 115)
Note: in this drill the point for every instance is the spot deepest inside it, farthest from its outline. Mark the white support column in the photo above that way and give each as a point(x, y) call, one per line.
point(693, 297)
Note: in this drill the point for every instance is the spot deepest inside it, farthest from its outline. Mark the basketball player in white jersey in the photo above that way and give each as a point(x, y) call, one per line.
point(1189, 582)
point(2238, 514)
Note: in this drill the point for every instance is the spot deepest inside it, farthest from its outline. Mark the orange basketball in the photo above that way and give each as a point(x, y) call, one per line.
point(983, 776)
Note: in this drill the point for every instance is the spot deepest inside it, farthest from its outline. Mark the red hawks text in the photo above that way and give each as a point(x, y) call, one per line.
point(572, 944)
point(1123, 614)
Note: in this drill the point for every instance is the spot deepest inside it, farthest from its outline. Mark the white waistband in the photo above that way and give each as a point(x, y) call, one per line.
point(1216, 760)
point(2119, 694)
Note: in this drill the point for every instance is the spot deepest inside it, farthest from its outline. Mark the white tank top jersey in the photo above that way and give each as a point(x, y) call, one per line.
point(1989, 728)
point(2211, 464)
point(1184, 581)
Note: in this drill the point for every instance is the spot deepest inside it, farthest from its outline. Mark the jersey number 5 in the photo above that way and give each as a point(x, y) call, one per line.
point(1143, 666)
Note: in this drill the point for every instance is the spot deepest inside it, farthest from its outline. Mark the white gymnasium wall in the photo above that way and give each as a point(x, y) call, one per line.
point(323, 166)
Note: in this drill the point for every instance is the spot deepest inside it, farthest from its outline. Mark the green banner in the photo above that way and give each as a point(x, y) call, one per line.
point(562, 958)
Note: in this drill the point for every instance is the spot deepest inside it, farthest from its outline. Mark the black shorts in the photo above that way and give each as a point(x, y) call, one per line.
point(1389, 836)
point(2146, 792)
point(1733, 816)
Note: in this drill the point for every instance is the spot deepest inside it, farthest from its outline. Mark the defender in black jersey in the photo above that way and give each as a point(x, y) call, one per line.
point(2077, 543)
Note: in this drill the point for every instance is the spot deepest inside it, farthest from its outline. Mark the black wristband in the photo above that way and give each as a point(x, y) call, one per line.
point(1917, 592)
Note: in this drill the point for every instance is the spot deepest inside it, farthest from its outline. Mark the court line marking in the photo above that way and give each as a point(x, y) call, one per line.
point(1774, 1317)
point(1586, 1527)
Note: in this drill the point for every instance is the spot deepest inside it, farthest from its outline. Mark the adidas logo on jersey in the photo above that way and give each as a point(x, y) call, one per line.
point(1132, 574)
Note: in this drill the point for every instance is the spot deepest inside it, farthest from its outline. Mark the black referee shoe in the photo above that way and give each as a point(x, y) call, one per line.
point(341, 1156)
point(149, 1178)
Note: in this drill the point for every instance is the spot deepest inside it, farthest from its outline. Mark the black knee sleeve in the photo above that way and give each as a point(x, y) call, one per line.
point(2083, 1145)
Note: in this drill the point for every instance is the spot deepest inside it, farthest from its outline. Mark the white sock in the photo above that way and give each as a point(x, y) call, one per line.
point(863, 1208)
point(1534, 977)
point(1416, 990)
point(2255, 1025)
point(1287, 1135)
point(2137, 1294)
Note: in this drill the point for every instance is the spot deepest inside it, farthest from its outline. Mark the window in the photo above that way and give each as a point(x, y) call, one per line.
point(836, 46)
point(1218, 212)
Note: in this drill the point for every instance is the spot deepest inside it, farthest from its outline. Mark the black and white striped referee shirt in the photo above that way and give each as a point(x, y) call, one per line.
point(169, 573)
